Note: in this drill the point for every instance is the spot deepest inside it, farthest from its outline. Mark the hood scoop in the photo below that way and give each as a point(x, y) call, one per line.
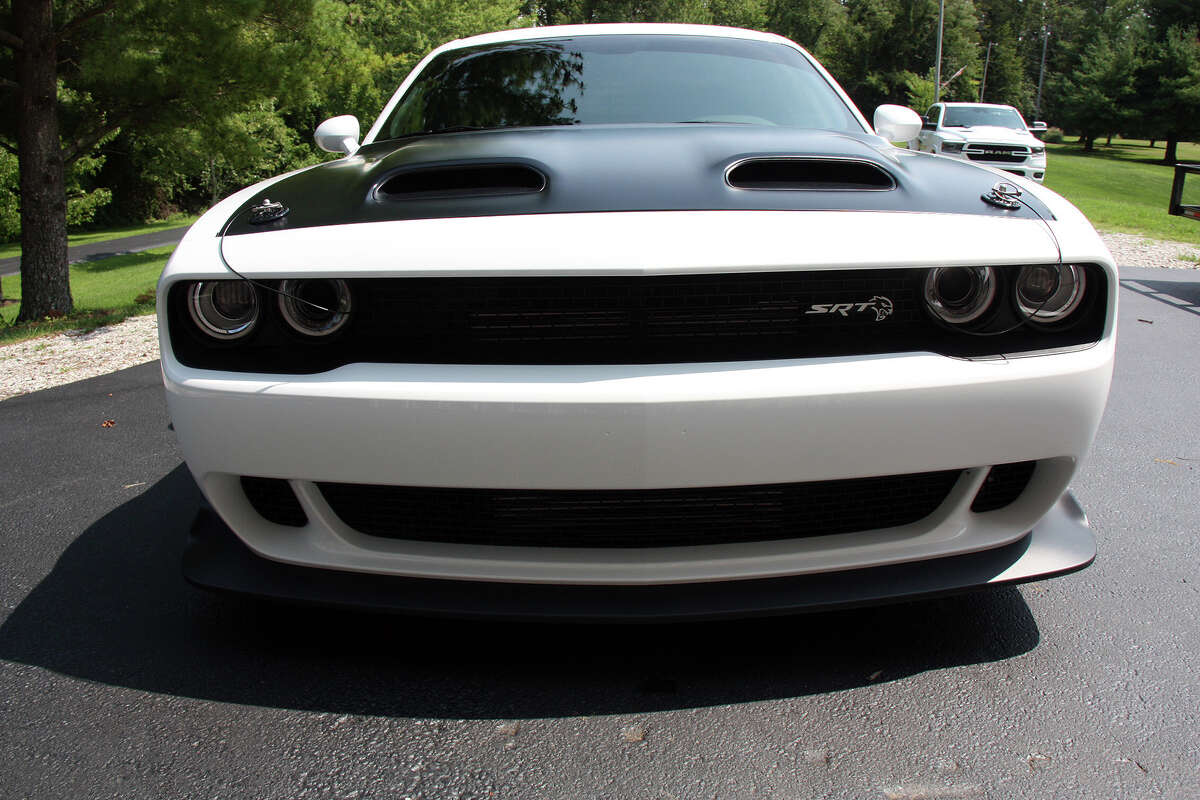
point(809, 174)
point(463, 180)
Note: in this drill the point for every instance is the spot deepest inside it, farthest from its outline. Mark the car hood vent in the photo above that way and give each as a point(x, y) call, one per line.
point(809, 174)
point(467, 180)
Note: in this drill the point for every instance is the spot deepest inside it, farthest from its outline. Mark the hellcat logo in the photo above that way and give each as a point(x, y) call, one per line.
point(882, 307)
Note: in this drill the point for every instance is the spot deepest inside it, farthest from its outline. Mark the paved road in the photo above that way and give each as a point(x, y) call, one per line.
point(113, 247)
point(118, 680)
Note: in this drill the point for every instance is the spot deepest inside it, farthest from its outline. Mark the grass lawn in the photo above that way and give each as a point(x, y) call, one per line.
point(13, 249)
point(1124, 186)
point(105, 291)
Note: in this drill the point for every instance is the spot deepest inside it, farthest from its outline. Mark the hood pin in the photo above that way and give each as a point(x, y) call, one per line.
point(1003, 195)
point(267, 211)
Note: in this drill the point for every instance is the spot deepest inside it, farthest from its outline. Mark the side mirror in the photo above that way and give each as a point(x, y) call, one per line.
point(929, 125)
point(897, 123)
point(1038, 125)
point(338, 134)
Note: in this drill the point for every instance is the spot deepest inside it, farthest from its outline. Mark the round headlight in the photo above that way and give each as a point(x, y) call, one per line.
point(959, 294)
point(224, 309)
point(1049, 292)
point(315, 306)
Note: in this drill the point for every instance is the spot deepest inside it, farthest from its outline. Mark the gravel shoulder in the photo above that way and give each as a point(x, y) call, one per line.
point(67, 357)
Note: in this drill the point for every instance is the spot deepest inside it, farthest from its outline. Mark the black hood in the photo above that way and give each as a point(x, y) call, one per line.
point(624, 168)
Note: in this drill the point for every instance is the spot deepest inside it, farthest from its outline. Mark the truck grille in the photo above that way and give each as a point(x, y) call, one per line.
point(638, 518)
point(997, 153)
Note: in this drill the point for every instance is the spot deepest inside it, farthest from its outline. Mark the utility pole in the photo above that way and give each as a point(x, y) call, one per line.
point(937, 81)
point(1037, 107)
point(987, 60)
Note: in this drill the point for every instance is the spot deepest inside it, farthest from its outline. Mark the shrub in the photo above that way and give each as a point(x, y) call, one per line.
point(1053, 135)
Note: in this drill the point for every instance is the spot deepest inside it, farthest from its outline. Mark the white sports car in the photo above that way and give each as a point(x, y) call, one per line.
point(634, 321)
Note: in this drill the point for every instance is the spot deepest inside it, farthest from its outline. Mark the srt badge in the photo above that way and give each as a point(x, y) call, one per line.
point(882, 307)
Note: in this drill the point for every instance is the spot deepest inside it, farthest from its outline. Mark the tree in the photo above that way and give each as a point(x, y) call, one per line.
point(1173, 76)
point(884, 42)
point(82, 72)
point(1095, 98)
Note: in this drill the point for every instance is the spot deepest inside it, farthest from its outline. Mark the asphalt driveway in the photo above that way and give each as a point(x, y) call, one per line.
point(118, 679)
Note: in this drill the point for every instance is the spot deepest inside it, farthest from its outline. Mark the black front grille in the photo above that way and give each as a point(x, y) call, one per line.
point(638, 518)
point(634, 319)
point(274, 500)
point(998, 153)
point(665, 319)
point(1003, 485)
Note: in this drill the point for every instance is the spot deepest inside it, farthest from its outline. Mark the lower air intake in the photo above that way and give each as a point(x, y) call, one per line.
point(638, 518)
point(1003, 485)
point(274, 500)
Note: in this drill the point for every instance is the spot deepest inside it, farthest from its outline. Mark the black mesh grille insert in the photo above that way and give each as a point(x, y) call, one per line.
point(638, 518)
point(1003, 484)
point(274, 500)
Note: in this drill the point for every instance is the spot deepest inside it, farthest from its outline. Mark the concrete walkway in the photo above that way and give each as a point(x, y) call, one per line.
point(94, 251)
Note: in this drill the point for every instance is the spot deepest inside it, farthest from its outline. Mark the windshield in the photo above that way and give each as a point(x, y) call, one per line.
point(966, 116)
point(619, 80)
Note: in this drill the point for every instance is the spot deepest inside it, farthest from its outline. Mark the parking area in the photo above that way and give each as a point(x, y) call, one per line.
point(118, 679)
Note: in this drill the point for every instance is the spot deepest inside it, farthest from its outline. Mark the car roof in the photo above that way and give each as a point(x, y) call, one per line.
point(637, 28)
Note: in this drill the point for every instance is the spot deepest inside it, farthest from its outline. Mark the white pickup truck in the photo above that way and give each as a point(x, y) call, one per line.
point(985, 133)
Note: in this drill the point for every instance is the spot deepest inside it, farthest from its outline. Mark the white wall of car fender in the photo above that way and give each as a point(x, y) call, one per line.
point(524, 34)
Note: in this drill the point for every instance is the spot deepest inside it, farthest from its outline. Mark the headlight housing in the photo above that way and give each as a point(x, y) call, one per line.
point(959, 294)
point(315, 306)
point(1038, 151)
point(952, 147)
point(225, 310)
point(1049, 293)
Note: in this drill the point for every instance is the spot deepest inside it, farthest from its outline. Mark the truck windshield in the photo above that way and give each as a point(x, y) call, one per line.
point(967, 116)
point(618, 80)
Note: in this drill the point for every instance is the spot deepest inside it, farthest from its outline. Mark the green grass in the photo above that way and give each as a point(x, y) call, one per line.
point(105, 292)
point(1125, 187)
point(13, 249)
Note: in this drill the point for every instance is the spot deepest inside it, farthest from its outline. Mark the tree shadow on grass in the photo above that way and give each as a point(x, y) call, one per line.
point(117, 259)
point(116, 610)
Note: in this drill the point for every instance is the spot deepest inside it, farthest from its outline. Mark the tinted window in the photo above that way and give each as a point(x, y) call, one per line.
point(619, 79)
point(961, 117)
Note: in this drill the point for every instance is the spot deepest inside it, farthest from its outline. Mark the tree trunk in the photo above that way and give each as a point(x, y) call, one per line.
point(1087, 141)
point(1172, 143)
point(1152, 141)
point(45, 277)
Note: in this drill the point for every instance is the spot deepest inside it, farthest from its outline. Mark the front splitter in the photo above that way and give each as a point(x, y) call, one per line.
point(1062, 542)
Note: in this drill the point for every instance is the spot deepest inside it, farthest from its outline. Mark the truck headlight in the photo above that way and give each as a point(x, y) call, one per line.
point(952, 147)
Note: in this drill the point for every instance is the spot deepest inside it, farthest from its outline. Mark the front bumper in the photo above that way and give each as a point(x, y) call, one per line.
point(1060, 543)
point(639, 427)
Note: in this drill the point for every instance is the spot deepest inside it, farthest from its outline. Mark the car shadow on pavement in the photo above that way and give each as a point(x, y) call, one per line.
point(116, 610)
